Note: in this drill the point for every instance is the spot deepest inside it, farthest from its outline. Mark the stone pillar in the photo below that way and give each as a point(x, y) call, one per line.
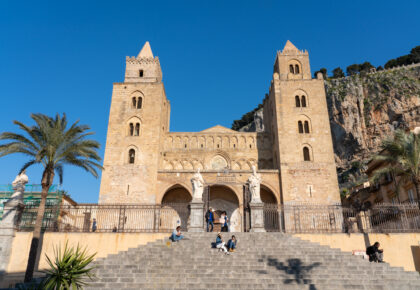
point(196, 217)
point(12, 212)
point(257, 217)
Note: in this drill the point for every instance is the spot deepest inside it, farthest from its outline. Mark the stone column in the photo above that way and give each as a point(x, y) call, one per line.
point(257, 217)
point(196, 217)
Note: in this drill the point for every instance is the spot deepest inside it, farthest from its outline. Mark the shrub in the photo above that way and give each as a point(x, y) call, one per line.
point(70, 269)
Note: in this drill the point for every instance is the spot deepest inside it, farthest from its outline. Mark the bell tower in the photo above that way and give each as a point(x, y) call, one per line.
point(138, 119)
point(297, 118)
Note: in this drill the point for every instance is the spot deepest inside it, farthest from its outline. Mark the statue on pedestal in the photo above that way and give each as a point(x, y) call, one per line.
point(197, 182)
point(254, 182)
point(18, 186)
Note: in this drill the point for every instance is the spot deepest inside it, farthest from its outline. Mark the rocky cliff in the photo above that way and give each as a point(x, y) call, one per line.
point(363, 110)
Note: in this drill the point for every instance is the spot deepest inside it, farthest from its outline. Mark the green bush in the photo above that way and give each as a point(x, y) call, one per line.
point(70, 269)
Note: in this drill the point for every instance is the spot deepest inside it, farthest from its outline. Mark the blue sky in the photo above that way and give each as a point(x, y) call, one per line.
point(216, 57)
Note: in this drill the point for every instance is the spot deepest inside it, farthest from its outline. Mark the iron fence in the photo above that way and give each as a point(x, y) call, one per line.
point(295, 218)
point(381, 218)
point(108, 218)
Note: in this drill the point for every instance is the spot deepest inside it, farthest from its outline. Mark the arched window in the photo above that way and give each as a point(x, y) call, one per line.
point(141, 73)
point(131, 156)
point(131, 129)
point(297, 69)
point(297, 100)
point(291, 69)
point(306, 155)
point(134, 100)
point(306, 127)
point(303, 101)
point(137, 131)
point(139, 102)
point(300, 126)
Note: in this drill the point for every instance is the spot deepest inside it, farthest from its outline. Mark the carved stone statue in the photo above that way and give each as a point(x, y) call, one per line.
point(254, 182)
point(19, 186)
point(197, 182)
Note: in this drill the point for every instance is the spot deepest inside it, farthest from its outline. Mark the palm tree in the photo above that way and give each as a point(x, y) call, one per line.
point(50, 143)
point(401, 153)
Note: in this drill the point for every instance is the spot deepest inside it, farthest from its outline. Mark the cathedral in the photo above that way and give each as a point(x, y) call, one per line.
point(145, 163)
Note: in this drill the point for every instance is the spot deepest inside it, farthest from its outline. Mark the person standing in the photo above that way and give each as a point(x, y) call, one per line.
point(210, 219)
point(94, 226)
point(225, 220)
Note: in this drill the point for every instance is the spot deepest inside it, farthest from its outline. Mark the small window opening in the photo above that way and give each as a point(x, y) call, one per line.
point(218, 146)
point(306, 156)
point(137, 131)
point(131, 129)
point(185, 145)
point(139, 102)
point(297, 69)
point(201, 145)
point(141, 73)
point(131, 156)
point(134, 100)
point(250, 146)
point(303, 101)
point(297, 100)
point(292, 70)
point(234, 145)
point(300, 127)
point(306, 127)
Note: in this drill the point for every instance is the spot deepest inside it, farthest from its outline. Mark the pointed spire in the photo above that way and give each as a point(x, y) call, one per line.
point(289, 46)
point(146, 51)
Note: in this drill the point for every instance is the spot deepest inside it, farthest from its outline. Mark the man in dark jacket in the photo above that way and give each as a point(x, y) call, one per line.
point(375, 254)
point(210, 219)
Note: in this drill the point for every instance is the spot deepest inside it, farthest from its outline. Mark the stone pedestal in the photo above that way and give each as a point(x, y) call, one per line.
point(196, 217)
point(11, 214)
point(257, 217)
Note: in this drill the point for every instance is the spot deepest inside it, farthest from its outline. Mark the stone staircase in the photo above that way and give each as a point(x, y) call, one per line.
point(261, 261)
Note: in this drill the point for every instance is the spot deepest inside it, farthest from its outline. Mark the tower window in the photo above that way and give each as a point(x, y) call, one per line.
point(292, 70)
point(306, 155)
point(141, 73)
point(297, 100)
point(131, 156)
point(300, 127)
point(139, 102)
point(306, 127)
point(303, 101)
point(131, 129)
point(137, 131)
point(297, 69)
point(134, 101)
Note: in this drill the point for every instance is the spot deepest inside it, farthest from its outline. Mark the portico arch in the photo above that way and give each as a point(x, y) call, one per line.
point(223, 198)
point(174, 211)
point(271, 216)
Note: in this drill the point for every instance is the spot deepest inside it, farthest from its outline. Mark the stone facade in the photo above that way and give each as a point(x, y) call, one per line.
point(145, 163)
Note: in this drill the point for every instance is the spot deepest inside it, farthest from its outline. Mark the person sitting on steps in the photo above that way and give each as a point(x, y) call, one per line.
point(210, 219)
point(176, 235)
point(375, 254)
point(220, 244)
point(231, 245)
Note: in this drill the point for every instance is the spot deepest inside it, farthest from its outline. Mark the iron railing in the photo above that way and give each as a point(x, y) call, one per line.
point(292, 218)
point(109, 218)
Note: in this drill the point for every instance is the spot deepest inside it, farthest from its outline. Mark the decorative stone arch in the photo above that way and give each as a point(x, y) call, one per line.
point(193, 142)
point(125, 156)
point(185, 142)
point(139, 100)
point(268, 194)
point(306, 123)
point(218, 143)
point(187, 165)
point(167, 165)
point(198, 165)
point(250, 142)
point(177, 142)
point(252, 162)
point(169, 142)
point(225, 142)
point(174, 207)
point(201, 142)
point(234, 142)
point(236, 166)
point(225, 198)
point(209, 142)
point(242, 142)
point(303, 152)
point(294, 67)
point(218, 160)
point(131, 124)
point(302, 95)
point(177, 165)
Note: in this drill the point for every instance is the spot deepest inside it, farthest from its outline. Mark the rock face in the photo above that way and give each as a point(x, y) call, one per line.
point(257, 125)
point(364, 109)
